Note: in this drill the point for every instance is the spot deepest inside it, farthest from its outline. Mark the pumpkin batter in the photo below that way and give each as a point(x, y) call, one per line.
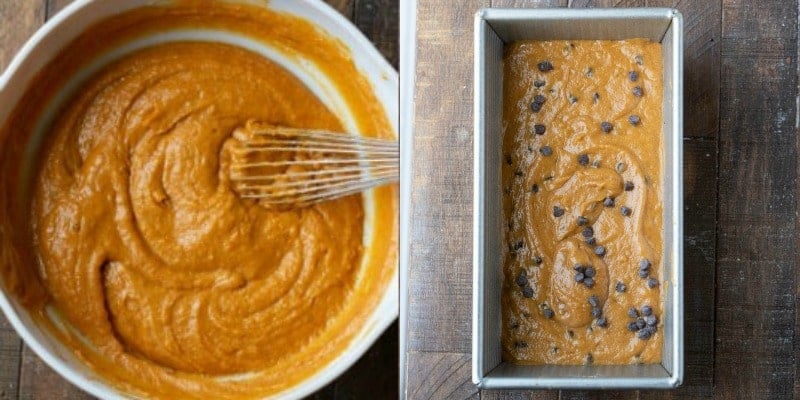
point(173, 286)
point(582, 198)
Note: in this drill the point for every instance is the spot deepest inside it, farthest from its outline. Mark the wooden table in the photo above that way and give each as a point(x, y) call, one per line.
point(24, 376)
point(740, 169)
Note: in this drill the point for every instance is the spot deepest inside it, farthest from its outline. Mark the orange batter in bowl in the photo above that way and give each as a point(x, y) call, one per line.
point(172, 285)
point(582, 173)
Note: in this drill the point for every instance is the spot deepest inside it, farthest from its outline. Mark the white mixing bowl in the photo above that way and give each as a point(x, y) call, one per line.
point(72, 21)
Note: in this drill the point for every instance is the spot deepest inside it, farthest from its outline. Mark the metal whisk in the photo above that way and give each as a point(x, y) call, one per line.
point(298, 167)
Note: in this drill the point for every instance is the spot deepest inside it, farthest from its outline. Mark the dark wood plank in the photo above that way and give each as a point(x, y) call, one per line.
point(701, 128)
point(38, 381)
point(519, 395)
point(54, 6)
point(598, 394)
point(378, 19)
point(19, 20)
point(10, 359)
point(529, 3)
point(376, 375)
point(756, 248)
point(346, 7)
point(440, 260)
point(436, 375)
point(605, 3)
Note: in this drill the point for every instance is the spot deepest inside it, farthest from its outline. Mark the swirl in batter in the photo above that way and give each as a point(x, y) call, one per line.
point(582, 198)
point(171, 284)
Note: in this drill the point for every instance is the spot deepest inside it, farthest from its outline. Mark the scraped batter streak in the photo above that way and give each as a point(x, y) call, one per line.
point(547, 247)
point(144, 248)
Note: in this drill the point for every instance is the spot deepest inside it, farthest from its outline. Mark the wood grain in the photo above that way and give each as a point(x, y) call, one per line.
point(756, 252)
point(440, 375)
point(378, 20)
point(38, 381)
point(20, 19)
point(519, 395)
point(440, 270)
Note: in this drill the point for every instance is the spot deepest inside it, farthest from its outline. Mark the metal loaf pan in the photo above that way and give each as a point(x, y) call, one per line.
point(493, 29)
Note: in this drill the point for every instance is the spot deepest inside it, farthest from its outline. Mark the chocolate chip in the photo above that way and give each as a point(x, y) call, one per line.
point(588, 231)
point(633, 76)
point(536, 107)
point(579, 277)
point(548, 313)
point(647, 310)
point(582, 220)
point(588, 282)
point(518, 245)
point(509, 160)
point(628, 186)
point(596, 97)
point(651, 320)
point(602, 322)
point(527, 292)
point(637, 91)
point(600, 251)
point(558, 211)
point(633, 313)
point(583, 159)
point(572, 99)
point(578, 267)
point(535, 188)
point(596, 312)
point(589, 358)
point(634, 120)
point(606, 126)
point(645, 333)
point(644, 265)
point(538, 83)
point(537, 260)
point(640, 323)
point(518, 173)
point(625, 211)
point(545, 66)
point(539, 129)
point(571, 334)
point(539, 99)
point(643, 273)
point(621, 288)
point(652, 283)
point(546, 151)
point(620, 167)
point(633, 327)
point(590, 241)
point(522, 278)
point(608, 202)
point(593, 301)
point(590, 272)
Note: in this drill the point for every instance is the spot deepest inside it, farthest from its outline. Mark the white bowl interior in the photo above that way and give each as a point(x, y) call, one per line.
point(68, 24)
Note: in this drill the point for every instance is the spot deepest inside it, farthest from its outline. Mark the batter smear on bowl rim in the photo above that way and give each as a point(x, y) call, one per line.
point(582, 200)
